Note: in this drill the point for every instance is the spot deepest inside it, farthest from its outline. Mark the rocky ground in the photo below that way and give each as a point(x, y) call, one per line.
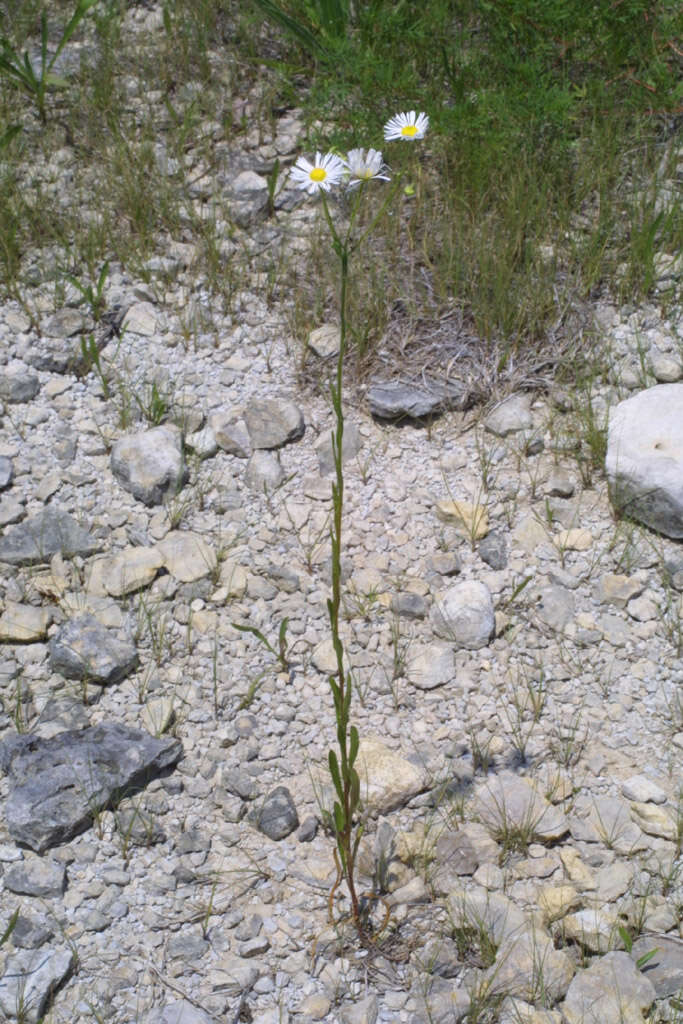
point(516, 648)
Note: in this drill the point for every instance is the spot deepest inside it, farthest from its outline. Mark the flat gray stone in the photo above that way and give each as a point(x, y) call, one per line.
point(432, 666)
point(18, 385)
point(554, 607)
point(464, 614)
point(231, 434)
point(527, 964)
point(512, 415)
point(508, 803)
point(611, 991)
point(30, 978)
point(178, 1012)
point(397, 400)
point(6, 472)
point(665, 969)
point(273, 422)
point(36, 876)
point(351, 445)
point(85, 649)
point(46, 534)
point(57, 785)
point(30, 933)
point(264, 472)
point(150, 464)
point(644, 460)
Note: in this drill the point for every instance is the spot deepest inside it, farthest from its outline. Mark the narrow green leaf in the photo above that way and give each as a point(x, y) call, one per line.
point(295, 28)
point(354, 742)
point(645, 958)
point(8, 135)
point(339, 824)
point(78, 15)
point(334, 772)
point(10, 927)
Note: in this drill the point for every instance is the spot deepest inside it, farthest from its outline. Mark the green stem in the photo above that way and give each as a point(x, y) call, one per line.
point(340, 682)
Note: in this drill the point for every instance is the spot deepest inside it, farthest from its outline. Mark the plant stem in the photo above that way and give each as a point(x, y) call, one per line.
point(344, 776)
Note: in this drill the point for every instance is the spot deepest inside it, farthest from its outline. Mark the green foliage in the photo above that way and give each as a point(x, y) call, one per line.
point(92, 293)
point(20, 70)
point(281, 653)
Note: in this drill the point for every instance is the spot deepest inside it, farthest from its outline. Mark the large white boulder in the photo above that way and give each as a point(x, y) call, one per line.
point(645, 458)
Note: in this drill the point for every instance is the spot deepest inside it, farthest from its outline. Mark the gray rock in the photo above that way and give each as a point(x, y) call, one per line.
point(64, 323)
point(527, 964)
point(493, 550)
point(41, 536)
point(85, 649)
point(57, 355)
point(277, 816)
point(409, 606)
point(6, 472)
point(30, 977)
point(665, 969)
point(233, 975)
point(187, 947)
point(432, 666)
point(18, 385)
point(645, 458)
point(508, 803)
point(308, 829)
point(396, 400)
point(273, 422)
point(264, 472)
point(445, 563)
point(57, 785)
point(455, 856)
point(364, 1011)
point(138, 827)
point(35, 876)
point(464, 614)
point(150, 464)
point(611, 991)
point(511, 415)
point(351, 445)
point(30, 933)
point(231, 434)
point(554, 607)
point(325, 341)
point(178, 1012)
point(480, 909)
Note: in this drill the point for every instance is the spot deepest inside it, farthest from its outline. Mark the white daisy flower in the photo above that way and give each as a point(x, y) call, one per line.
point(406, 126)
point(362, 165)
point(319, 176)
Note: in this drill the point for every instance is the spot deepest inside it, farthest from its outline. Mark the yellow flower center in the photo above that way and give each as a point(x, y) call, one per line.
point(318, 174)
point(409, 130)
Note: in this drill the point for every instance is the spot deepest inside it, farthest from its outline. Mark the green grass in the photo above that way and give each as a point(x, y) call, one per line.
point(540, 183)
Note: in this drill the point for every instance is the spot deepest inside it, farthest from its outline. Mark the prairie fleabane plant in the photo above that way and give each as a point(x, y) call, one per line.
point(358, 170)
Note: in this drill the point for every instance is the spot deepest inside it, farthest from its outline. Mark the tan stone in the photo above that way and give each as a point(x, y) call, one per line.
point(187, 556)
point(654, 821)
point(472, 521)
point(123, 573)
point(617, 589)
point(23, 623)
point(577, 872)
point(387, 780)
point(233, 579)
point(556, 901)
point(574, 540)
